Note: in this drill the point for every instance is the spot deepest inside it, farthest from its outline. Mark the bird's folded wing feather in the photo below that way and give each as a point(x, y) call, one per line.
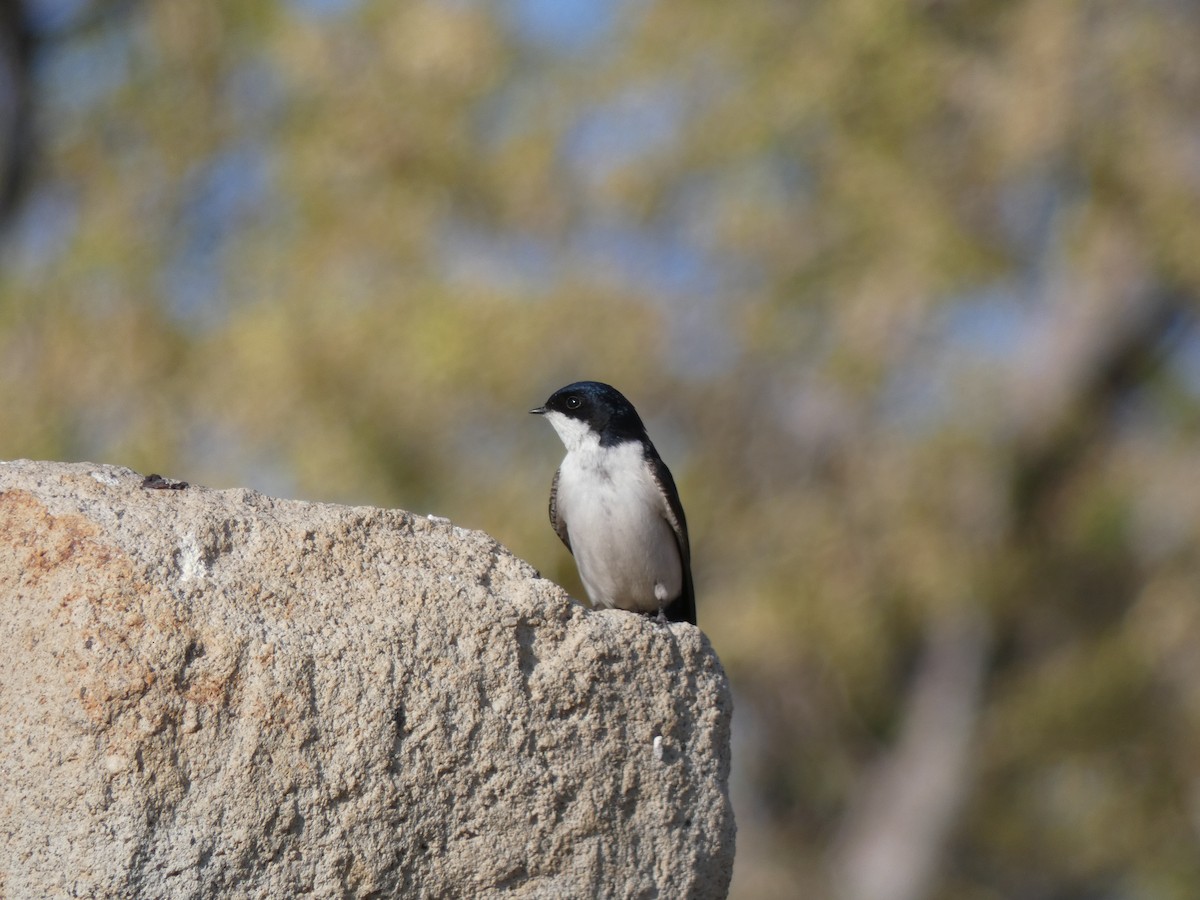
point(684, 607)
point(556, 521)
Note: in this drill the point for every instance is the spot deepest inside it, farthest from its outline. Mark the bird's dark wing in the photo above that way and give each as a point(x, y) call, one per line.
point(556, 521)
point(683, 607)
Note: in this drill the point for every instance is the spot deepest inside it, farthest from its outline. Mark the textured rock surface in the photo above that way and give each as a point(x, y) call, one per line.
point(216, 693)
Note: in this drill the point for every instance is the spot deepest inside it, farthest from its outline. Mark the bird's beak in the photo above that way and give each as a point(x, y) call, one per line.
point(540, 411)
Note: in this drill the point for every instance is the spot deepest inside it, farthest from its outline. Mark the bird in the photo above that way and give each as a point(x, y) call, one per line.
point(614, 504)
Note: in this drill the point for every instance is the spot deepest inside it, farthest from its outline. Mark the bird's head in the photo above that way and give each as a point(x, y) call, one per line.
point(592, 410)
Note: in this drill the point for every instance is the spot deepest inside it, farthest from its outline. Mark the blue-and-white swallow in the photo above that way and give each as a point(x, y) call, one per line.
point(614, 504)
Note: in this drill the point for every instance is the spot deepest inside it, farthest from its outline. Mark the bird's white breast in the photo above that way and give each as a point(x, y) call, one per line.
point(615, 515)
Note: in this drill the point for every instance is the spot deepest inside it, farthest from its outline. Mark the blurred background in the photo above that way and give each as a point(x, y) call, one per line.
point(906, 291)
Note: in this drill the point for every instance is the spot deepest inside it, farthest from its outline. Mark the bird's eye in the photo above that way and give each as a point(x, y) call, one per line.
point(573, 402)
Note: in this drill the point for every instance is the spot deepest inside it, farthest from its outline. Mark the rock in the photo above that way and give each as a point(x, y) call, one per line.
point(217, 693)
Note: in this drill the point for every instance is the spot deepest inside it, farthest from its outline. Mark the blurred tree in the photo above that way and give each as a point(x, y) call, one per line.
point(907, 290)
point(16, 102)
